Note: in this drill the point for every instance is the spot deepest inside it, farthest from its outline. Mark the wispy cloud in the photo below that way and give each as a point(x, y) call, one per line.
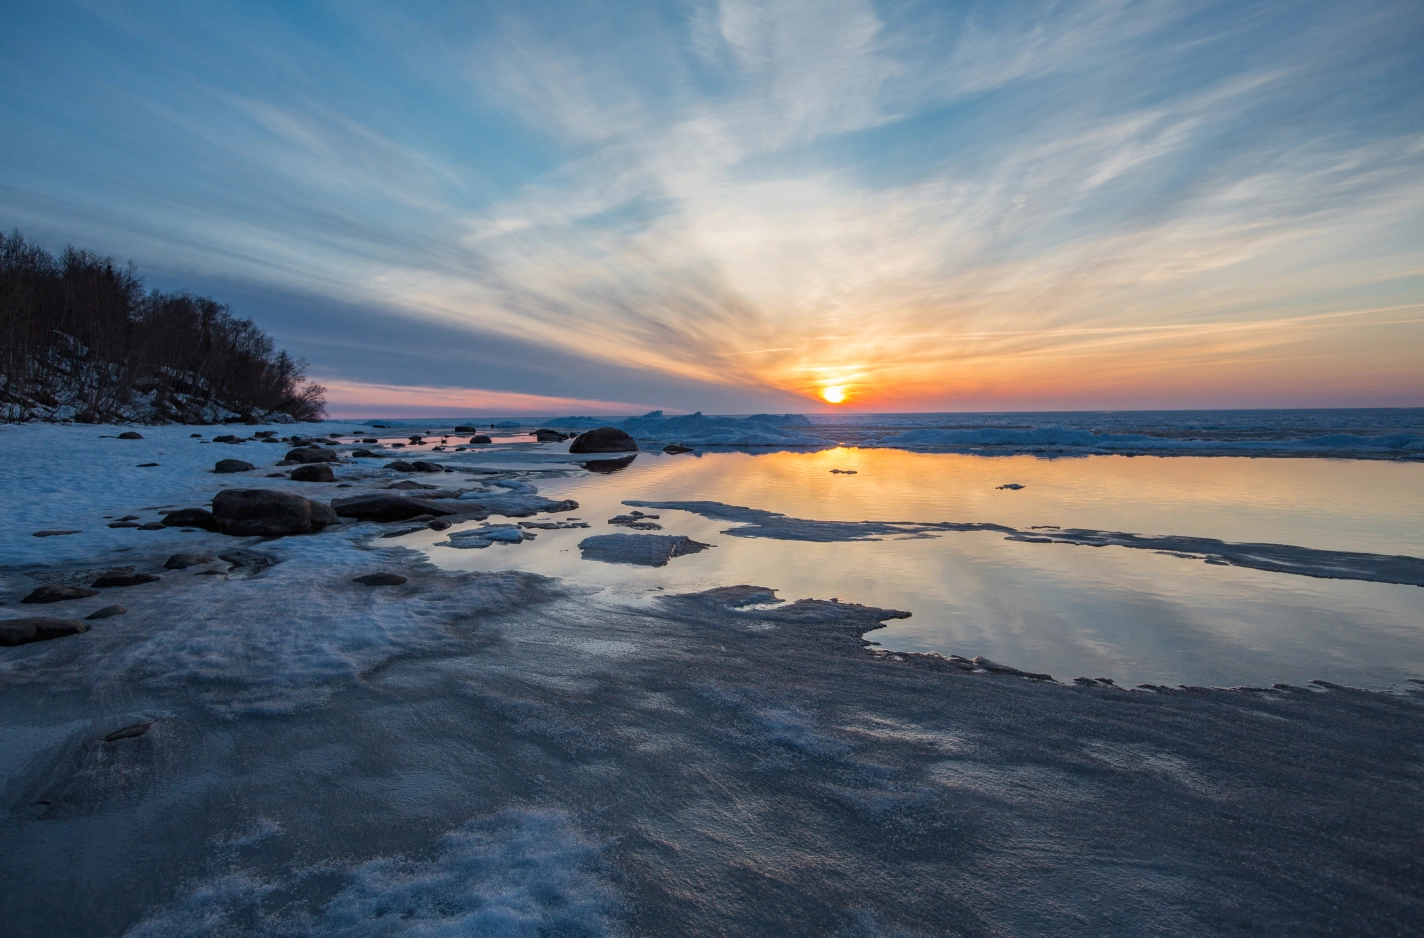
point(930, 203)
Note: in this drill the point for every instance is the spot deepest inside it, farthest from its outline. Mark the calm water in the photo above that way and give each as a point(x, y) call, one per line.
point(1131, 615)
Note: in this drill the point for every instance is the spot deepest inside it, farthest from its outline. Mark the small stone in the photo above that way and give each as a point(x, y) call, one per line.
point(480, 439)
point(152, 526)
point(54, 593)
point(186, 560)
point(116, 578)
point(52, 533)
point(122, 524)
point(439, 524)
point(130, 435)
point(146, 465)
point(380, 579)
point(107, 612)
point(233, 465)
point(673, 449)
point(314, 472)
point(128, 732)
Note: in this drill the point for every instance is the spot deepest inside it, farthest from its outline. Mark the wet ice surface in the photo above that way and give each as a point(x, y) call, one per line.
point(500, 752)
point(1132, 615)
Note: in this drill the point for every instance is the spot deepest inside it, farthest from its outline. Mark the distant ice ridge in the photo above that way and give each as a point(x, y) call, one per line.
point(701, 430)
point(1059, 438)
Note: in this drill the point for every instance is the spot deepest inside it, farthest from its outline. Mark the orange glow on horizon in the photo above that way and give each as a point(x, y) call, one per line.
point(836, 394)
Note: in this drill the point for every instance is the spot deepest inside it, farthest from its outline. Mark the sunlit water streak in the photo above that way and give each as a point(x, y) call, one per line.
point(1131, 615)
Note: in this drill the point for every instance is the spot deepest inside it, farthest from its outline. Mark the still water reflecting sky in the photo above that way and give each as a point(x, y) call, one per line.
point(1131, 615)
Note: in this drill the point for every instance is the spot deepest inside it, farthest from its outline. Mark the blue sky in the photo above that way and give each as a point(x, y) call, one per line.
point(733, 206)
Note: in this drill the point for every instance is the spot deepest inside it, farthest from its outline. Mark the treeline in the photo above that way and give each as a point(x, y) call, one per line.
point(80, 339)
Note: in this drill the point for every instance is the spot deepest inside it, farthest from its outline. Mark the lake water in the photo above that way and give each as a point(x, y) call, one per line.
point(1131, 615)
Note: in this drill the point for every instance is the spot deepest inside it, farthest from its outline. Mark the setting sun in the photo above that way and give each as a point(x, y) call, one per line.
point(834, 395)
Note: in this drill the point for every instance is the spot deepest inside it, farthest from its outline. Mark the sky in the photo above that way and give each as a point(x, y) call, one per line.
point(743, 207)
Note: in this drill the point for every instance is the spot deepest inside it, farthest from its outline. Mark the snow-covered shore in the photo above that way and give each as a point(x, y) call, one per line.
point(503, 753)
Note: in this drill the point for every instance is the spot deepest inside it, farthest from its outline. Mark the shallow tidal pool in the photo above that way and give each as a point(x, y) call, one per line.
point(1130, 615)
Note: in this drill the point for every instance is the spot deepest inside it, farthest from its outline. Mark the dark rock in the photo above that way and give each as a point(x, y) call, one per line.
point(130, 435)
point(312, 454)
point(52, 533)
point(268, 513)
point(387, 508)
point(195, 436)
point(466, 428)
point(146, 465)
point(439, 524)
point(604, 440)
point(673, 449)
point(1012, 486)
point(118, 578)
point(106, 612)
point(406, 485)
point(53, 593)
point(314, 472)
point(227, 438)
point(610, 465)
point(400, 465)
point(480, 439)
point(421, 466)
point(271, 439)
point(152, 526)
point(369, 439)
point(122, 524)
point(128, 732)
point(380, 579)
point(129, 518)
point(233, 465)
point(184, 561)
point(37, 629)
point(190, 518)
point(544, 435)
point(363, 454)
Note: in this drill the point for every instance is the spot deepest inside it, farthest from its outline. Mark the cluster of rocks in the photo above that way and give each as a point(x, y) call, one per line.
point(637, 521)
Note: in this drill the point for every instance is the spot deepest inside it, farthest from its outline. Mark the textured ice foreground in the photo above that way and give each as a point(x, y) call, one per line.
point(503, 753)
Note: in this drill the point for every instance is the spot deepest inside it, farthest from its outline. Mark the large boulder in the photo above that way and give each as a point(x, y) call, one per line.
point(190, 518)
point(310, 454)
point(233, 465)
point(313, 472)
point(604, 440)
point(268, 513)
point(480, 439)
point(37, 629)
point(382, 507)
